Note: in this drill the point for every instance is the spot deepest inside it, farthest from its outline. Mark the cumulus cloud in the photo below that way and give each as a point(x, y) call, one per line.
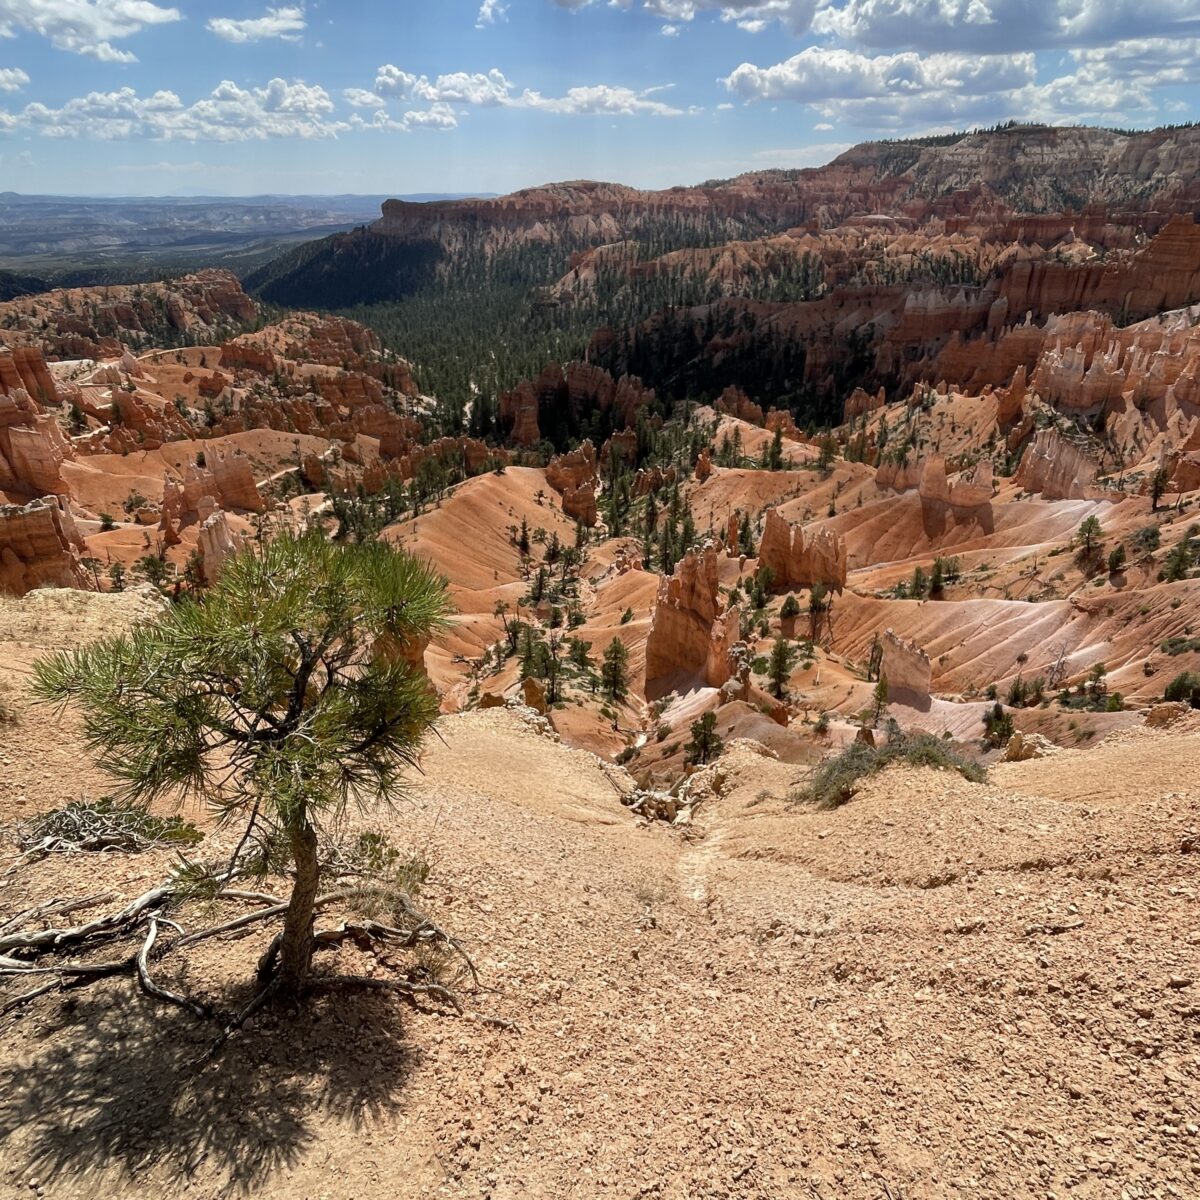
point(752, 15)
point(284, 23)
point(361, 98)
point(901, 91)
point(84, 26)
point(12, 79)
point(490, 11)
point(600, 98)
point(493, 90)
point(997, 26)
point(438, 117)
point(229, 114)
point(818, 74)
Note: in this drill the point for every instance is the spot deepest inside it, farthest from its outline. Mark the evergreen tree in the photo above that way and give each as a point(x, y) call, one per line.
point(285, 693)
point(614, 673)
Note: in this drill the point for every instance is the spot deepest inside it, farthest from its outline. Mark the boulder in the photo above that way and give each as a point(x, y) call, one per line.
point(1024, 746)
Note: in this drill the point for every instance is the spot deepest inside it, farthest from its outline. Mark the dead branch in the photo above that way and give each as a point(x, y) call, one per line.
point(57, 908)
point(58, 939)
point(157, 990)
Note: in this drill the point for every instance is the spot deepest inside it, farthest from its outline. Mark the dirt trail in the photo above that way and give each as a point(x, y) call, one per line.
point(941, 989)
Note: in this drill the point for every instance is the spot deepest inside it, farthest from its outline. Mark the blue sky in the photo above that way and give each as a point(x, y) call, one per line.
point(397, 96)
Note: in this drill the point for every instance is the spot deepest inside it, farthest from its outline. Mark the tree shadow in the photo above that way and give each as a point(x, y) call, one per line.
point(121, 1084)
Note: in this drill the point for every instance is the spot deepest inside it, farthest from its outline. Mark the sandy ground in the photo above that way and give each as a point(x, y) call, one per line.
point(941, 989)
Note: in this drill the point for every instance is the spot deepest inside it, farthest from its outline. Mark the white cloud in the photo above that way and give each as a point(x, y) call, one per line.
point(361, 98)
point(458, 87)
point(12, 79)
point(999, 26)
point(817, 74)
point(84, 26)
point(284, 23)
point(439, 116)
point(669, 31)
point(899, 92)
point(490, 11)
point(600, 98)
point(752, 15)
point(229, 114)
point(493, 90)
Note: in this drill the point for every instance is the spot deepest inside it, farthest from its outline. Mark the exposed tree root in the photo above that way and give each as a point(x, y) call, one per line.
point(27, 952)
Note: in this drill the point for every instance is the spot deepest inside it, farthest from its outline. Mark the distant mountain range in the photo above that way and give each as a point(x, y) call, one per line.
point(96, 239)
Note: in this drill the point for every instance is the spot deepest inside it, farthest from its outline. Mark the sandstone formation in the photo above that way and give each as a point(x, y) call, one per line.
point(799, 561)
point(1058, 469)
point(215, 542)
point(570, 393)
point(575, 477)
point(690, 632)
point(907, 668)
point(32, 447)
point(225, 481)
point(24, 368)
point(40, 547)
point(736, 403)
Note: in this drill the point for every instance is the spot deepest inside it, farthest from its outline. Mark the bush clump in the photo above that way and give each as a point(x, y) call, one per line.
point(838, 778)
point(1186, 687)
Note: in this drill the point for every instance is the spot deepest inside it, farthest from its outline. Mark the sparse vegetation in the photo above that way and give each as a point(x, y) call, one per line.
point(837, 779)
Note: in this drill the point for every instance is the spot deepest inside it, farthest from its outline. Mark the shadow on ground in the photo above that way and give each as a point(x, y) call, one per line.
point(116, 1085)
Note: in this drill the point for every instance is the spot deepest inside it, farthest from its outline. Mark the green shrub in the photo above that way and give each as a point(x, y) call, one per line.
point(838, 778)
point(1180, 645)
point(1185, 686)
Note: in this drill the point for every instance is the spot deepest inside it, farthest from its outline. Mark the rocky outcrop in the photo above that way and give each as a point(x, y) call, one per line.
point(799, 561)
point(1058, 469)
point(24, 368)
point(225, 481)
point(571, 393)
point(737, 404)
point(930, 479)
point(1022, 747)
point(215, 542)
point(566, 472)
point(907, 669)
point(40, 547)
point(704, 466)
point(32, 447)
point(859, 403)
point(691, 633)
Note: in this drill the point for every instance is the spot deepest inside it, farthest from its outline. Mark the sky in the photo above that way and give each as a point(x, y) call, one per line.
point(139, 97)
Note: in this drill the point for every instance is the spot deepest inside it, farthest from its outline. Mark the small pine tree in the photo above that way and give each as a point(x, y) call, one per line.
point(1089, 534)
point(1158, 487)
point(879, 699)
point(779, 666)
point(285, 693)
point(705, 744)
point(614, 673)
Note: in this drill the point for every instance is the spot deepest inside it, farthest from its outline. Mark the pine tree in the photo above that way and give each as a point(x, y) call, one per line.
point(779, 667)
point(614, 673)
point(285, 692)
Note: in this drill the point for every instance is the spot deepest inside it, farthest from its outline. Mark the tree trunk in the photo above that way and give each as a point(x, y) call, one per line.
point(295, 950)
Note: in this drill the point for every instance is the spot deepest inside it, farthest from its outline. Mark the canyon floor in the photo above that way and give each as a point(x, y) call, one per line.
point(939, 989)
